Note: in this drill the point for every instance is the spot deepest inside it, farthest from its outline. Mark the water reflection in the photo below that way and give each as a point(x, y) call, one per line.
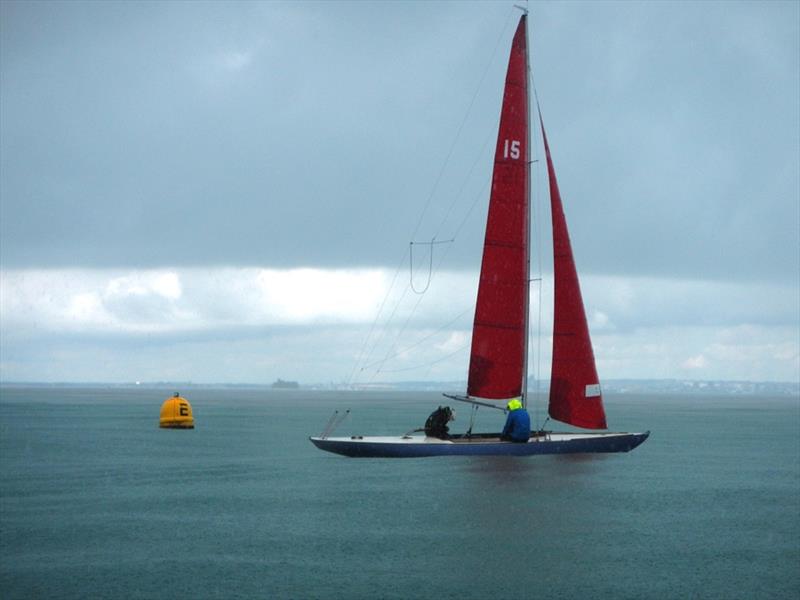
point(498, 469)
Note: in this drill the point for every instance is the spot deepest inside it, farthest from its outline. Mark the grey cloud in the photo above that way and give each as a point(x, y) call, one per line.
point(312, 134)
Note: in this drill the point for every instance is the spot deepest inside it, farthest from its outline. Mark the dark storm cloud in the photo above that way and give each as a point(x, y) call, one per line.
point(298, 134)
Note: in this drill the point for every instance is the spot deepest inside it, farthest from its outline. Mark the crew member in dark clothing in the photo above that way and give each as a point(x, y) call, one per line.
point(436, 425)
point(518, 423)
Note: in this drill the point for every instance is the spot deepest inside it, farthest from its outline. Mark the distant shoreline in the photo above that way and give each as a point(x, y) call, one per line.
point(613, 386)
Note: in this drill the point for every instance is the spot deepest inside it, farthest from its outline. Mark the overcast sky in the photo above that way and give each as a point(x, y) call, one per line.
point(226, 192)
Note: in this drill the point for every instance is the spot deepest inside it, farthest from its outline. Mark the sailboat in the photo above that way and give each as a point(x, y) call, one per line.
point(499, 354)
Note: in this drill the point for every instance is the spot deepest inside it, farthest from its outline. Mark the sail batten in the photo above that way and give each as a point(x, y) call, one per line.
point(497, 357)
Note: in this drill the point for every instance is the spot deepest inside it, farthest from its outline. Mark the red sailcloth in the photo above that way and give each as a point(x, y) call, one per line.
point(574, 389)
point(499, 329)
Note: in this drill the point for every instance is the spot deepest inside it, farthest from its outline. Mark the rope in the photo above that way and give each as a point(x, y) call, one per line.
point(432, 243)
point(334, 422)
point(461, 127)
point(478, 160)
point(360, 355)
point(386, 327)
point(432, 271)
point(327, 427)
point(428, 364)
point(419, 342)
point(411, 268)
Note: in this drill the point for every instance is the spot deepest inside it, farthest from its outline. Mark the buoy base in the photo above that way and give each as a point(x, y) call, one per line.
point(176, 425)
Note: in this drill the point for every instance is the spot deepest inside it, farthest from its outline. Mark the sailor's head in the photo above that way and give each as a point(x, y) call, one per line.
point(514, 404)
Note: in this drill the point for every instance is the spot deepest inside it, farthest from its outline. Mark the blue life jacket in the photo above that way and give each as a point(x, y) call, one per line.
point(518, 425)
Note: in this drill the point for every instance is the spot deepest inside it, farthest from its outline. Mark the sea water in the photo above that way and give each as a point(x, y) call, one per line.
point(97, 502)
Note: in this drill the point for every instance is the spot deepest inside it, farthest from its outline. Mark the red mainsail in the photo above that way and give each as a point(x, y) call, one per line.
point(500, 327)
point(575, 396)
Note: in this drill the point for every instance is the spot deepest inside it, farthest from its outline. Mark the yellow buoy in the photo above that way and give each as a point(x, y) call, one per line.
point(176, 413)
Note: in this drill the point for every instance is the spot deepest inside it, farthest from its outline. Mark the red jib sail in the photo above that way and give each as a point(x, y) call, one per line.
point(574, 389)
point(499, 330)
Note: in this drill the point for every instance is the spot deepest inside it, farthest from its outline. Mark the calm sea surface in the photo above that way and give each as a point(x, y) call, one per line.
point(97, 501)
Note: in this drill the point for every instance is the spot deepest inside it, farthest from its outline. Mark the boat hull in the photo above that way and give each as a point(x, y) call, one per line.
point(482, 445)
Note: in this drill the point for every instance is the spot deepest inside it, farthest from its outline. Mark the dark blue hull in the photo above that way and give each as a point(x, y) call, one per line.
point(485, 445)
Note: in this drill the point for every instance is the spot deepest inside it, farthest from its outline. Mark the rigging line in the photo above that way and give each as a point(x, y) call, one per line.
point(360, 356)
point(410, 316)
point(424, 339)
point(478, 160)
point(430, 197)
point(479, 196)
point(398, 336)
point(386, 326)
point(539, 302)
point(461, 127)
point(324, 433)
point(473, 412)
point(462, 348)
point(433, 271)
point(539, 223)
point(364, 345)
point(408, 320)
point(432, 243)
point(537, 386)
point(338, 422)
point(411, 268)
point(415, 307)
point(480, 156)
point(405, 325)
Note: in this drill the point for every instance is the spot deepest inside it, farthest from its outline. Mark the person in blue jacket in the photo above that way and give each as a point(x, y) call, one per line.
point(518, 423)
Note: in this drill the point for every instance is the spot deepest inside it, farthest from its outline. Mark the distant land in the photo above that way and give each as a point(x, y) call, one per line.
point(612, 386)
point(280, 384)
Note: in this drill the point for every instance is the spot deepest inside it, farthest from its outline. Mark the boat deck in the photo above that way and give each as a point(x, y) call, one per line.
point(480, 444)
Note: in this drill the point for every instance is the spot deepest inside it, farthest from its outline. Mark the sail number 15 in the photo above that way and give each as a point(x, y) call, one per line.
point(511, 150)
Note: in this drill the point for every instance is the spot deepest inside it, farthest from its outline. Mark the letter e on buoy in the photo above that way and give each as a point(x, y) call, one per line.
point(176, 413)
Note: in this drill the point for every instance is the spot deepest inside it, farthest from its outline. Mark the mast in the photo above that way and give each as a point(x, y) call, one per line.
point(528, 218)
